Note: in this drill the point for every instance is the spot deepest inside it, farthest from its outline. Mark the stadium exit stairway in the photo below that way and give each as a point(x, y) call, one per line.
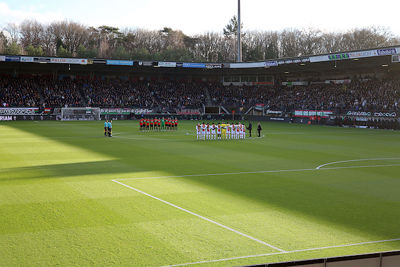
point(209, 101)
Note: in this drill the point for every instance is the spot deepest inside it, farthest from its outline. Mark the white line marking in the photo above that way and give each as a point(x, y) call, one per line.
point(201, 217)
point(347, 245)
point(227, 259)
point(250, 237)
point(355, 167)
point(353, 160)
point(286, 252)
point(214, 174)
point(255, 172)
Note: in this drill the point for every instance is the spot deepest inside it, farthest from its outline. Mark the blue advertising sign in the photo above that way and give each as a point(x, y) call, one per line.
point(387, 51)
point(13, 58)
point(273, 63)
point(120, 62)
point(194, 65)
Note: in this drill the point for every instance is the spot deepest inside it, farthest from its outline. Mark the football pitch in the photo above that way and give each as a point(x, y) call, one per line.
point(70, 196)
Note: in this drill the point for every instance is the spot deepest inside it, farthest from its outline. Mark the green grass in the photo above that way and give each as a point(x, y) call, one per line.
point(59, 205)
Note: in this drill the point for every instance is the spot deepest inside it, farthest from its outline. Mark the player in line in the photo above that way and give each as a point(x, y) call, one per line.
point(157, 124)
point(228, 131)
point(198, 131)
point(215, 131)
point(108, 128)
point(219, 132)
point(201, 131)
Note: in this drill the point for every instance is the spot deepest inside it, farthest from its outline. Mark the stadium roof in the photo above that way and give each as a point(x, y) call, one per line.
point(378, 59)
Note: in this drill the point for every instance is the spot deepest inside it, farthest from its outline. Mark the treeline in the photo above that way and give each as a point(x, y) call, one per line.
point(71, 39)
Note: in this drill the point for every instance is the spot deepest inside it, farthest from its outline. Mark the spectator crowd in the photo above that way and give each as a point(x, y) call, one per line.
point(370, 95)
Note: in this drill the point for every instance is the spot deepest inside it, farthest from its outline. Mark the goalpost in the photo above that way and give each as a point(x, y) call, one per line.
point(79, 113)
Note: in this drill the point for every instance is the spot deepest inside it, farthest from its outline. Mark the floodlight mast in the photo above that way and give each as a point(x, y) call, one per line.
point(239, 43)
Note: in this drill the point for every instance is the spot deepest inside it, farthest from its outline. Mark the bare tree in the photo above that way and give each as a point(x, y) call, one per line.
point(13, 31)
point(311, 42)
point(258, 46)
point(3, 41)
point(207, 46)
point(149, 40)
point(365, 38)
point(69, 35)
point(67, 38)
point(48, 44)
point(31, 33)
point(331, 42)
point(172, 38)
point(290, 43)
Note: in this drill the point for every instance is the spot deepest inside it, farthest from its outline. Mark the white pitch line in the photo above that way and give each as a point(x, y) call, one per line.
point(355, 167)
point(226, 259)
point(347, 245)
point(201, 217)
point(214, 174)
point(286, 252)
point(353, 160)
point(257, 240)
point(255, 172)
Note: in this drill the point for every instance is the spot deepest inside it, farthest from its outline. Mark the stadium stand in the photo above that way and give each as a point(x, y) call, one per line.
point(369, 95)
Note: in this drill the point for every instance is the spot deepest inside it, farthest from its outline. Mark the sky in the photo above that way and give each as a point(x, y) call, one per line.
point(200, 16)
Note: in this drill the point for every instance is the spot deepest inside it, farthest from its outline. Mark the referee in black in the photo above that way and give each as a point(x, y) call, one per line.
point(259, 129)
point(250, 128)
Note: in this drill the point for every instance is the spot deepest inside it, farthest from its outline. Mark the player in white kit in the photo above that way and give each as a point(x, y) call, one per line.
point(213, 134)
point(208, 131)
point(228, 131)
point(198, 131)
point(233, 131)
point(241, 131)
point(219, 131)
point(203, 131)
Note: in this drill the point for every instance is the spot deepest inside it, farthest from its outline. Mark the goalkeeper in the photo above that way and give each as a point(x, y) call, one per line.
point(163, 124)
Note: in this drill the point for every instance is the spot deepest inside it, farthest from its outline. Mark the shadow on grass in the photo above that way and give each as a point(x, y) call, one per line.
point(364, 213)
point(54, 171)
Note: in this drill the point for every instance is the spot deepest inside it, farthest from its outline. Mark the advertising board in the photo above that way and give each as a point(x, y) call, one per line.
point(78, 61)
point(120, 62)
point(167, 64)
point(194, 65)
point(313, 113)
point(18, 111)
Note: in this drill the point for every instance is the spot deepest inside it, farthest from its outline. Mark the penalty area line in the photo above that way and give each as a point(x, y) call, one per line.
point(285, 252)
point(354, 160)
point(201, 217)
